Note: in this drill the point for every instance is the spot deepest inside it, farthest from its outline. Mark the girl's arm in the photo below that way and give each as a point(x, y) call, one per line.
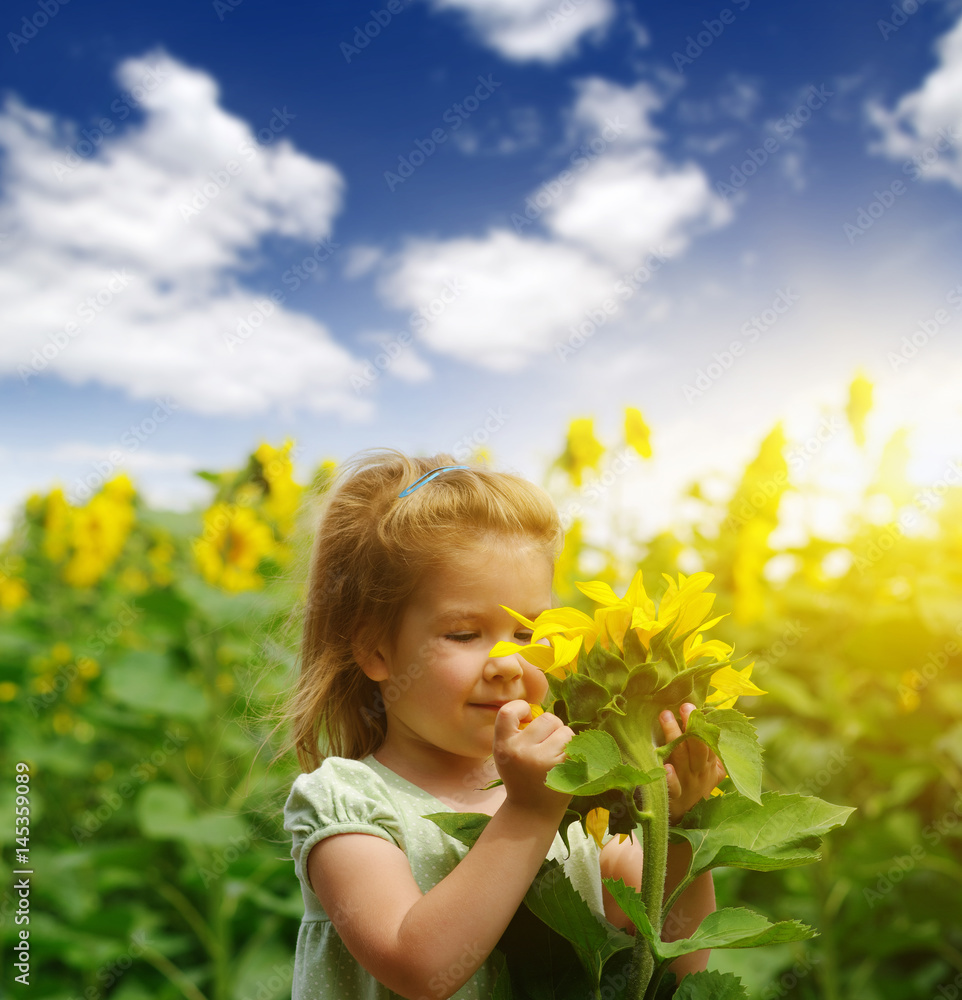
point(430, 945)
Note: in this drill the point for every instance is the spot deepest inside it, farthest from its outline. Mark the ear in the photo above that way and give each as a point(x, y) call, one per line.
point(371, 662)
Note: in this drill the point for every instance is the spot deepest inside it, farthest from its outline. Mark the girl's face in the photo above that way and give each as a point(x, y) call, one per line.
point(440, 687)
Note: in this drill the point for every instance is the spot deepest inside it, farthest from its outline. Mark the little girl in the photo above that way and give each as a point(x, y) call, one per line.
point(414, 563)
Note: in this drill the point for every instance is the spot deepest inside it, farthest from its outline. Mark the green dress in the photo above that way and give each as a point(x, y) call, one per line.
point(364, 796)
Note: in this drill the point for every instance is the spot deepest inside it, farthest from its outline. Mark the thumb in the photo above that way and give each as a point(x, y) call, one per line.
point(509, 718)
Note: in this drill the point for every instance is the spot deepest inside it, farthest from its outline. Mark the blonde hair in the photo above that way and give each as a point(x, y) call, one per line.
point(370, 552)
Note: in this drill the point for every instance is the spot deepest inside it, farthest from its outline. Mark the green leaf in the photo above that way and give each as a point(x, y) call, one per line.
point(646, 679)
point(554, 899)
point(633, 904)
point(711, 986)
point(734, 927)
point(584, 697)
point(164, 812)
point(666, 649)
point(732, 736)
point(605, 667)
point(734, 832)
point(465, 827)
point(594, 765)
point(144, 680)
point(502, 982)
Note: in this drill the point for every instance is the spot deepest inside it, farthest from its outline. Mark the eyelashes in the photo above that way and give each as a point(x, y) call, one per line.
point(524, 638)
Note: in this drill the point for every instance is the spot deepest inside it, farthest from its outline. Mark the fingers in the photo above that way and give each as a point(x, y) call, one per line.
point(546, 730)
point(669, 726)
point(674, 785)
point(509, 718)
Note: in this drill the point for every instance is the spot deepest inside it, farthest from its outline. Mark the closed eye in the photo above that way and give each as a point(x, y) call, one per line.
point(461, 636)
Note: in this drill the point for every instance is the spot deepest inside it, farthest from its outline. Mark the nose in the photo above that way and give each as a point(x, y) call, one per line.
point(507, 668)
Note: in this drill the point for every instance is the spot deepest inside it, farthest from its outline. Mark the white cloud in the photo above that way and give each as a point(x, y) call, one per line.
point(511, 299)
point(541, 30)
point(625, 206)
point(600, 104)
point(926, 124)
point(626, 199)
point(396, 356)
point(134, 240)
point(360, 260)
point(617, 202)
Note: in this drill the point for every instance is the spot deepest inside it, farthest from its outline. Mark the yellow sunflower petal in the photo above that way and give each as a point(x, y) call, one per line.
point(729, 682)
point(713, 647)
point(597, 824)
point(599, 592)
point(518, 617)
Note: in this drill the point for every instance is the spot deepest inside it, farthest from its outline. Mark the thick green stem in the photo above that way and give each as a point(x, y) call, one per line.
point(639, 750)
point(655, 865)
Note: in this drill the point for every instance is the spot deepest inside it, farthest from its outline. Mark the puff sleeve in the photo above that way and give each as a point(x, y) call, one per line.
point(341, 796)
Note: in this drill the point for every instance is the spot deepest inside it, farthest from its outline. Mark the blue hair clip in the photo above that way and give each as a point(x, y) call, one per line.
point(428, 476)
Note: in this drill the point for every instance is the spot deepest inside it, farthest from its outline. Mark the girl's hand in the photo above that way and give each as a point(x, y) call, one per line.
point(524, 756)
point(693, 770)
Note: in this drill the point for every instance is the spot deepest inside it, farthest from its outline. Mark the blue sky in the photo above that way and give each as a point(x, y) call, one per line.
point(477, 220)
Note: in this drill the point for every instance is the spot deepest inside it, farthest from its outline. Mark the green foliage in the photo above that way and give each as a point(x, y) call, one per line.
point(710, 986)
point(160, 866)
point(773, 833)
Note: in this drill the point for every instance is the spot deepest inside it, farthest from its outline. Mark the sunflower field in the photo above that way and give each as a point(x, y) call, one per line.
point(144, 655)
